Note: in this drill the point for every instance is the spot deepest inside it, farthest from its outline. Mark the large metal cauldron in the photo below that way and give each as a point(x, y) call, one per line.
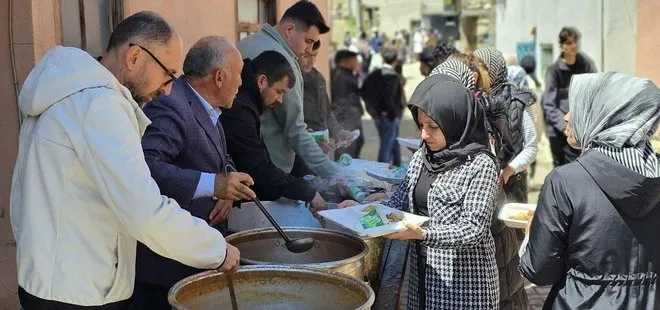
point(272, 288)
point(333, 250)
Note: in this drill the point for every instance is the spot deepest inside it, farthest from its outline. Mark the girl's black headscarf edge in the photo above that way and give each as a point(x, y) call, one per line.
point(460, 117)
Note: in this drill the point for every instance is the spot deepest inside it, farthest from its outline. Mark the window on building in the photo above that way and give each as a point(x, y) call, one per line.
point(252, 14)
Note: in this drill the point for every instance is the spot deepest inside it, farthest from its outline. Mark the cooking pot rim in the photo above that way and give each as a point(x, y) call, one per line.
point(345, 261)
point(289, 268)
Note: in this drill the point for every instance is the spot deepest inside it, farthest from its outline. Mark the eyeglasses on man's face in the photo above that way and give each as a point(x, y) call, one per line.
point(167, 71)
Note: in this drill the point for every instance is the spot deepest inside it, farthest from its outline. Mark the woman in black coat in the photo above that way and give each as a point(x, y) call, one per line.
point(594, 236)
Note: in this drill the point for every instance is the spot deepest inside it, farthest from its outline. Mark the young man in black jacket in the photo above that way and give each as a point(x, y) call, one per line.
point(555, 98)
point(265, 81)
point(383, 95)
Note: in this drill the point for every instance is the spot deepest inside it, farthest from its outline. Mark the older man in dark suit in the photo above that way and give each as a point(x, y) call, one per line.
point(185, 149)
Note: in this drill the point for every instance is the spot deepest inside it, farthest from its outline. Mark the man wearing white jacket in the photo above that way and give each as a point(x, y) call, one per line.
point(82, 194)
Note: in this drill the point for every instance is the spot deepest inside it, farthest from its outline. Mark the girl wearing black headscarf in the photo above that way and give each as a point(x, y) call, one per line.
point(453, 180)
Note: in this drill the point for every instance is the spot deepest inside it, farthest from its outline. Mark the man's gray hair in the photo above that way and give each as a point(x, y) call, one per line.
point(141, 28)
point(208, 54)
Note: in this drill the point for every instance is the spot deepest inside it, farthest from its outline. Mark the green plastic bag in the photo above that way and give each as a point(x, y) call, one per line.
point(371, 219)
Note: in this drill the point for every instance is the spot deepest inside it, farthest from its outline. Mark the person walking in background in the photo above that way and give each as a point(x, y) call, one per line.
point(427, 62)
point(383, 95)
point(365, 51)
point(346, 103)
point(316, 103)
point(528, 63)
point(594, 235)
point(418, 43)
point(376, 61)
point(555, 98)
point(442, 51)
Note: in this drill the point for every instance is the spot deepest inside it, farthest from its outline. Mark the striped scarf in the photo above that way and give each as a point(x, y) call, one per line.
point(496, 65)
point(616, 114)
point(641, 160)
point(457, 70)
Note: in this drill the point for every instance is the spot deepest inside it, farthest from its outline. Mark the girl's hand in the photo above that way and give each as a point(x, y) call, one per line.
point(347, 203)
point(413, 232)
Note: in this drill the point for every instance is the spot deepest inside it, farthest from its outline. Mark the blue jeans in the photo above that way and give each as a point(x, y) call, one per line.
point(388, 131)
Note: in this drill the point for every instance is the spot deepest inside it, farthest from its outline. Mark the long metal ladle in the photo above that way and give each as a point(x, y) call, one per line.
point(299, 245)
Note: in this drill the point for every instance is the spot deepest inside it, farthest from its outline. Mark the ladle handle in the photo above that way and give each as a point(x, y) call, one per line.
point(272, 220)
point(265, 212)
point(232, 292)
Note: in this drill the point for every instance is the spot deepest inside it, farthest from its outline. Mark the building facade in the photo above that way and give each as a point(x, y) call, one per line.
point(615, 34)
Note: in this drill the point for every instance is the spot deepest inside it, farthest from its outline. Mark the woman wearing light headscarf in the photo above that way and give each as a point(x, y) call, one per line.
point(507, 243)
point(453, 180)
point(594, 236)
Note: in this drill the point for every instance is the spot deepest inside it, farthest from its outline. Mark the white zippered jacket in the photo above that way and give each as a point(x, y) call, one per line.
point(82, 194)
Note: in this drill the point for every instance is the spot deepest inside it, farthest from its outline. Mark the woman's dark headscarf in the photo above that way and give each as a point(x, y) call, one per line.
point(455, 110)
point(501, 90)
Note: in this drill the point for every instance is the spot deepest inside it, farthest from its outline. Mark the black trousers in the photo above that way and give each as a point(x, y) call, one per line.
point(31, 302)
point(150, 296)
point(562, 153)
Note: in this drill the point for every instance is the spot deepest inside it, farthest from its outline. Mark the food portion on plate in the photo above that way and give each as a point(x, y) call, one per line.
point(517, 215)
point(394, 216)
point(522, 215)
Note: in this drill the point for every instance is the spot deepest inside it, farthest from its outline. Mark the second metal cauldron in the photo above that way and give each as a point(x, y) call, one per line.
point(332, 250)
point(273, 288)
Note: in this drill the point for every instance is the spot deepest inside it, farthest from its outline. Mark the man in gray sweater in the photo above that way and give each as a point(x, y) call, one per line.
point(283, 127)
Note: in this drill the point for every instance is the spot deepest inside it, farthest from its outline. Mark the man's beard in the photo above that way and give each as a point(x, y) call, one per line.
point(136, 87)
point(264, 95)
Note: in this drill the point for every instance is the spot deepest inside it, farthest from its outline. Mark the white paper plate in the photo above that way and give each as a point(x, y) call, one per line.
point(383, 174)
point(350, 218)
point(508, 211)
point(412, 144)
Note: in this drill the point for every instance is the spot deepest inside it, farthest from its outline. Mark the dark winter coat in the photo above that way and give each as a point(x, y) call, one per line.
point(382, 91)
point(242, 128)
point(346, 104)
point(505, 110)
point(595, 237)
point(555, 97)
point(316, 104)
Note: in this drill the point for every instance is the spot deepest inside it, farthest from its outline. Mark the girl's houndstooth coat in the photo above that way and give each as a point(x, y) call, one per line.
point(460, 266)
